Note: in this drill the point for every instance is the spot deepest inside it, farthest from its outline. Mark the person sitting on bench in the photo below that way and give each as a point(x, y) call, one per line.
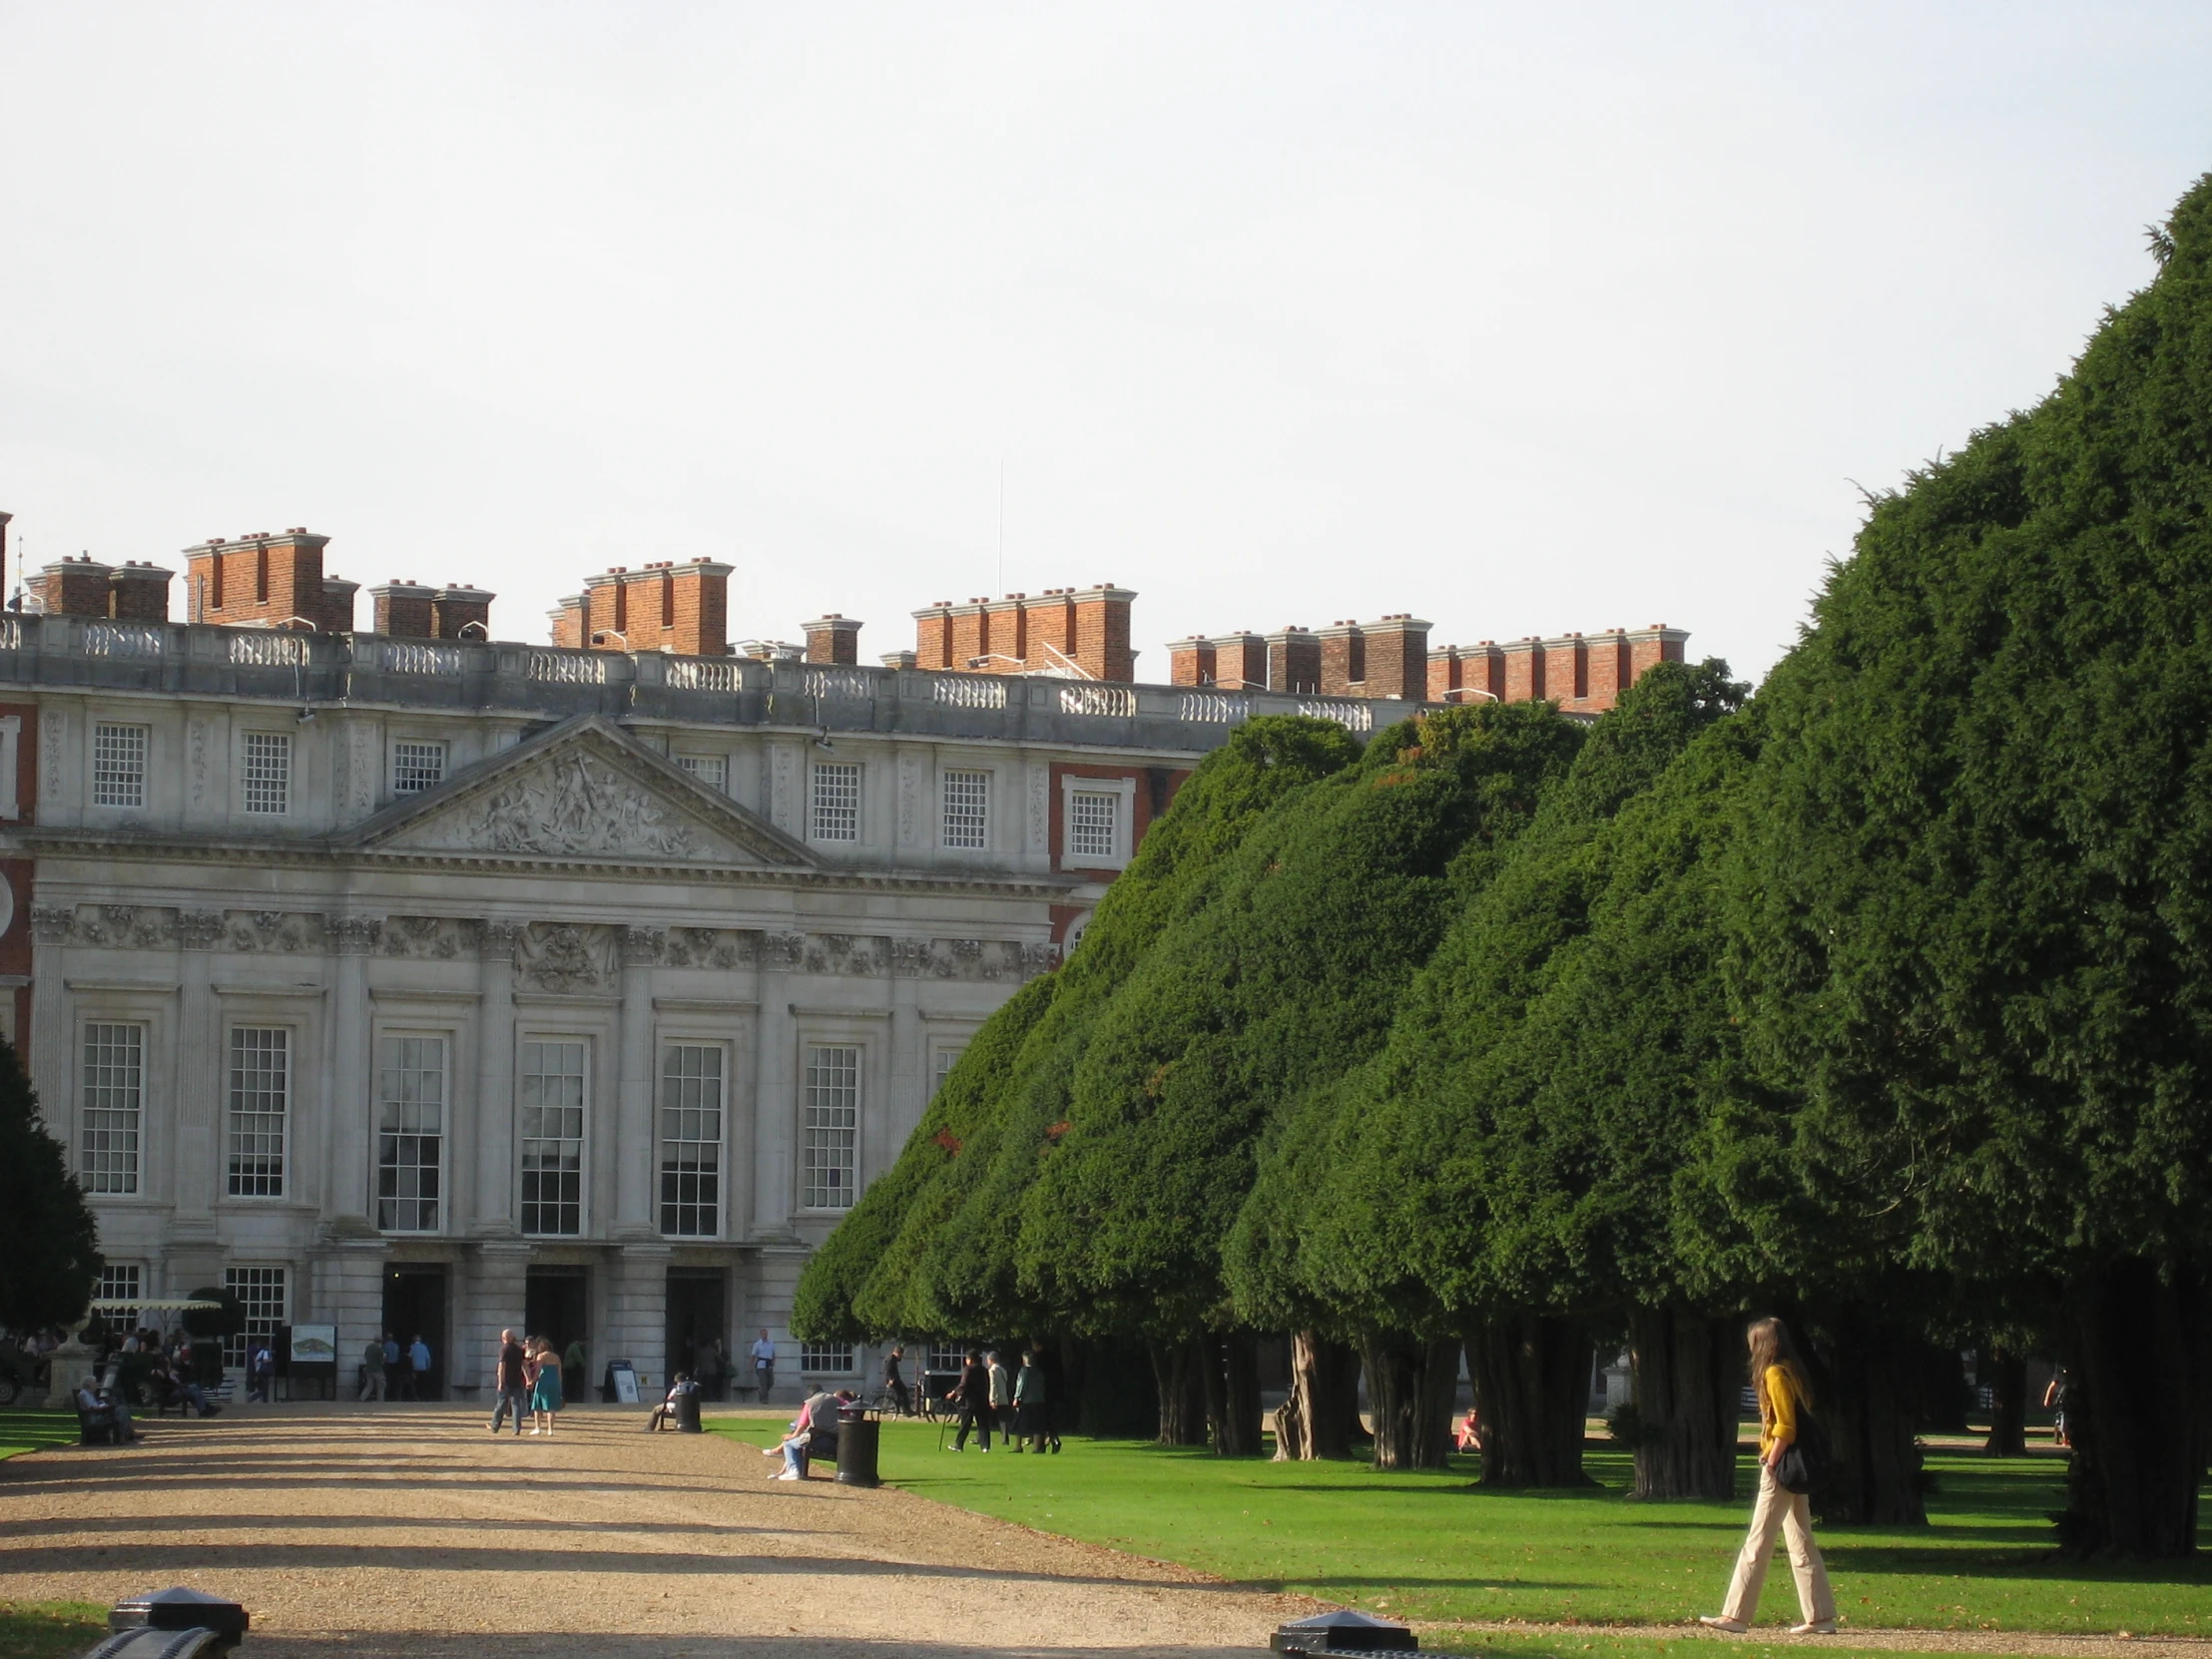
point(103, 1414)
point(666, 1410)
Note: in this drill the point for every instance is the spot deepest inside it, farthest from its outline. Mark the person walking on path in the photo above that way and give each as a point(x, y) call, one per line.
point(1785, 1399)
point(545, 1390)
point(1002, 1401)
point(764, 1363)
point(372, 1369)
point(972, 1393)
point(1030, 1395)
point(896, 1385)
point(509, 1379)
point(419, 1368)
point(1055, 1387)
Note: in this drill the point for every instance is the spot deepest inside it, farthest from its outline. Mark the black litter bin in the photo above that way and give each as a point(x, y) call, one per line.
point(687, 1411)
point(859, 1431)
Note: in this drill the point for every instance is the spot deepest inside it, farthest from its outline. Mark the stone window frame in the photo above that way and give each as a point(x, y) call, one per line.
point(665, 1039)
point(141, 778)
point(153, 1010)
point(384, 1030)
point(588, 1040)
point(860, 1032)
point(1124, 789)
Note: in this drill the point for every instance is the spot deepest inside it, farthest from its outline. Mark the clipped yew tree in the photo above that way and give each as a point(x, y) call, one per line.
point(928, 1249)
point(1288, 976)
point(1372, 1212)
point(1977, 930)
point(49, 1245)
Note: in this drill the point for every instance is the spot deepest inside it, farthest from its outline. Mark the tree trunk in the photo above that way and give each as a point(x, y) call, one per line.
point(1532, 1399)
point(1233, 1392)
point(2136, 1413)
point(1324, 1398)
point(1410, 1385)
point(2007, 1379)
point(1869, 1382)
point(1687, 1377)
point(1179, 1371)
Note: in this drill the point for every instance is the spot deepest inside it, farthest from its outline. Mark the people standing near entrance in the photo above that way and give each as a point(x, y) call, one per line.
point(372, 1369)
point(574, 1364)
point(419, 1368)
point(706, 1369)
point(764, 1363)
point(1031, 1395)
point(507, 1377)
point(261, 1370)
point(973, 1395)
point(394, 1366)
point(894, 1383)
point(545, 1390)
point(1785, 1399)
point(1002, 1401)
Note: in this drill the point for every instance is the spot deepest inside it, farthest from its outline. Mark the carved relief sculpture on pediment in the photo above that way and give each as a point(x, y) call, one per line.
point(577, 805)
point(988, 960)
point(844, 953)
point(569, 957)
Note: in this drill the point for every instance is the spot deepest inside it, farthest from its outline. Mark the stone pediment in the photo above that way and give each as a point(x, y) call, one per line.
point(584, 790)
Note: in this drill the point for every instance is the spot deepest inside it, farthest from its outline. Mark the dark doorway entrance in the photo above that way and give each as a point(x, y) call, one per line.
point(414, 1306)
point(696, 1299)
point(555, 1306)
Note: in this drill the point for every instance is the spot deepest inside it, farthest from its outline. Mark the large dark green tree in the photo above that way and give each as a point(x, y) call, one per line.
point(930, 1245)
point(1288, 976)
point(1977, 925)
point(49, 1245)
point(1368, 1215)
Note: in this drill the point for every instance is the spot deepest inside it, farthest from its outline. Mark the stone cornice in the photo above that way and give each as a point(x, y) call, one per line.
point(148, 846)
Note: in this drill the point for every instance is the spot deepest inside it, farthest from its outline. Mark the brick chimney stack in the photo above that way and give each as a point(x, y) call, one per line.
point(131, 592)
point(1396, 653)
point(1240, 661)
point(1344, 667)
point(1524, 669)
point(833, 638)
point(1191, 661)
point(402, 609)
point(264, 581)
point(1294, 661)
point(663, 606)
point(1059, 631)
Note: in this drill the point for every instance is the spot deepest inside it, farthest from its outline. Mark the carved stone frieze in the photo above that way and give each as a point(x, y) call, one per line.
point(351, 935)
point(782, 950)
point(641, 947)
point(429, 938)
point(199, 929)
point(983, 959)
point(564, 957)
point(575, 804)
point(708, 947)
point(496, 941)
point(290, 931)
point(909, 799)
point(54, 923)
point(846, 954)
point(116, 926)
point(1041, 808)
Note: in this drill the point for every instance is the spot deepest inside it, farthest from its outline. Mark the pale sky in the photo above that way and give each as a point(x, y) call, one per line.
point(1522, 317)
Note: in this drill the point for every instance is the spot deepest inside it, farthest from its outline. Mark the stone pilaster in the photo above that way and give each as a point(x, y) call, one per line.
point(494, 1105)
point(634, 1139)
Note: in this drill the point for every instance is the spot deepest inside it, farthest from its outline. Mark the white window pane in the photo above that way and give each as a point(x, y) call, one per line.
point(120, 1282)
point(832, 1129)
point(261, 1102)
point(967, 797)
point(118, 766)
point(550, 1107)
point(417, 767)
point(710, 770)
point(268, 772)
point(1092, 821)
point(261, 1292)
point(411, 1133)
point(691, 1140)
point(111, 1106)
point(825, 1358)
point(837, 802)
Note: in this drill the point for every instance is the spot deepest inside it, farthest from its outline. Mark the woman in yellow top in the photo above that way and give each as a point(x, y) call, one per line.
point(1779, 1381)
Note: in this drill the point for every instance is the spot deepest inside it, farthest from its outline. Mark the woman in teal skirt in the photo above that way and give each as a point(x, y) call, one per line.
point(545, 1392)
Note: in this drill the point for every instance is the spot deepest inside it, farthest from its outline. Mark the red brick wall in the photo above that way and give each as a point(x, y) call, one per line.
point(1190, 662)
point(1566, 672)
point(1294, 661)
point(1343, 659)
point(1395, 660)
point(833, 638)
point(933, 637)
point(1241, 661)
point(1102, 634)
point(1524, 671)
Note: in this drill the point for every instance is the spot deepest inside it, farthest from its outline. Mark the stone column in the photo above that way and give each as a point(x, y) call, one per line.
point(195, 1104)
point(348, 1108)
point(495, 1094)
point(775, 1111)
point(637, 1311)
point(634, 1139)
point(492, 1295)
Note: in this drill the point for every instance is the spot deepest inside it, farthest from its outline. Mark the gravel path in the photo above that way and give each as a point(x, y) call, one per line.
point(409, 1531)
point(345, 1531)
point(1905, 1641)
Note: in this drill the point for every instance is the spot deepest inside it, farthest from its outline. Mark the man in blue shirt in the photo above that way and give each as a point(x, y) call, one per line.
point(419, 1368)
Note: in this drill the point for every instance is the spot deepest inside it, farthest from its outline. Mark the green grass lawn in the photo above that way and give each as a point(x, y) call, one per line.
point(1434, 1547)
point(49, 1629)
point(28, 1431)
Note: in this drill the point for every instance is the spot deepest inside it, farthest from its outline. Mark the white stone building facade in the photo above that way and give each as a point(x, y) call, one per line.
point(447, 986)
